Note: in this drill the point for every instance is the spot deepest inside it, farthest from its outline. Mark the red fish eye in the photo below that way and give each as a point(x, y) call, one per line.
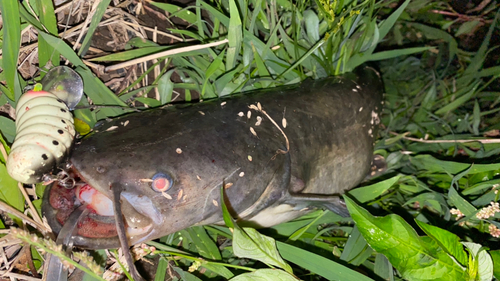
point(161, 182)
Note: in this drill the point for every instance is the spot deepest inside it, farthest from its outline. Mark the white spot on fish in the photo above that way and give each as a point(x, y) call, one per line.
point(178, 150)
point(259, 120)
point(111, 128)
point(242, 174)
point(252, 106)
point(375, 118)
point(241, 114)
point(253, 131)
point(166, 195)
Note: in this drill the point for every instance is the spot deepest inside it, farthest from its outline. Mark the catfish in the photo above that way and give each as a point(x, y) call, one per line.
point(276, 153)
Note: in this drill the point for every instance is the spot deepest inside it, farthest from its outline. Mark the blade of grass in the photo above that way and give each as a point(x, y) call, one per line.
point(176, 11)
point(11, 45)
point(96, 19)
point(234, 36)
point(318, 264)
point(47, 53)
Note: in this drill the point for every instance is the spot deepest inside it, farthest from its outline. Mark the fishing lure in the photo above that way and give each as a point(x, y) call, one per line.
point(44, 126)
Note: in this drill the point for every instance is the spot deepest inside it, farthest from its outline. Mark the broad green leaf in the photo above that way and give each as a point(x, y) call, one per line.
point(446, 240)
point(219, 269)
point(356, 251)
point(8, 128)
point(9, 192)
point(311, 22)
point(495, 256)
point(6, 147)
point(249, 243)
point(431, 164)
point(370, 192)
point(185, 276)
point(457, 200)
point(414, 257)
point(383, 267)
point(204, 244)
point(265, 274)
point(483, 260)
point(320, 265)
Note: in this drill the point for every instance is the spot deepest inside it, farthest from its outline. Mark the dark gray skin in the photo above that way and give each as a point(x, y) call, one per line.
point(331, 124)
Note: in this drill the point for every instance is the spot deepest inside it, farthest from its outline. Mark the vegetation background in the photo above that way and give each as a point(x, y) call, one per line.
point(433, 215)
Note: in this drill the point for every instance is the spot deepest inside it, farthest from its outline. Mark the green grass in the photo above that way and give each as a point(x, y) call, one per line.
point(439, 133)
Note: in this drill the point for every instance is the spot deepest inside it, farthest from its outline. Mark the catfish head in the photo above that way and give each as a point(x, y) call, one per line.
point(169, 173)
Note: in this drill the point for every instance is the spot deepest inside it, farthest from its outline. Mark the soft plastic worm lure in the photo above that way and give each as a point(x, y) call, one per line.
point(44, 126)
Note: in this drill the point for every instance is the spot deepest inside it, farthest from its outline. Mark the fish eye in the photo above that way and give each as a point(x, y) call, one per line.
point(161, 182)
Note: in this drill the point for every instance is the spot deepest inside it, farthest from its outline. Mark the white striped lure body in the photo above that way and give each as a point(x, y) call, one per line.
point(44, 132)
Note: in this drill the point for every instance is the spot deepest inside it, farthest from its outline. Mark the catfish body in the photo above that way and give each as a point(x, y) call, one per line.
point(276, 152)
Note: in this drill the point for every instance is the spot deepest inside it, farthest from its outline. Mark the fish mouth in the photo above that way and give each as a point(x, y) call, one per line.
point(97, 229)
